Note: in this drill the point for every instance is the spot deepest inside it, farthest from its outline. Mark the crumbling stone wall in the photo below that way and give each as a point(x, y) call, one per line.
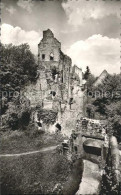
point(53, 57)
point(36, 92)
point(55, 71)
point(50, 47)
point(78, 71)
point(68, 120)
point(77, 98)
point(65, 67)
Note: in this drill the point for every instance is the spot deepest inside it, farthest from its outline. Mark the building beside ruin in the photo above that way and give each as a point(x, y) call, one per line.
point(101, 78)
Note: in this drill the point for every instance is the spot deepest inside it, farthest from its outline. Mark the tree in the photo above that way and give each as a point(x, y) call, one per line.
point(91, 79)
point(90, 109)
point(106, 98)
point(17, 114)
point(114, 117)
point(18, 67)
point(87, 73)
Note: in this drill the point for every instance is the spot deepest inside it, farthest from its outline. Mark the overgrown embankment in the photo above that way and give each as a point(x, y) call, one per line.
point(31, 174)
point(17, 141)
point(18, 68)
point(74, 179)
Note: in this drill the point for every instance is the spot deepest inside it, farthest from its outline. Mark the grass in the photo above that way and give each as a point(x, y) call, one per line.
point(71, 186)
point(28, 140)
point(39, 174)
point(33, 174)
point(36, 173)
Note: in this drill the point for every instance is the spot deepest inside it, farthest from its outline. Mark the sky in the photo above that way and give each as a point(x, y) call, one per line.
point(89, 30)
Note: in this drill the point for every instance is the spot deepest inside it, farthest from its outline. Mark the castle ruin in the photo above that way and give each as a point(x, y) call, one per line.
point(58, 81)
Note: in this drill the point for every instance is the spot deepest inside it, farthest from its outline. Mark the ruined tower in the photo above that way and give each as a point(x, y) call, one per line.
point(49, 50)
point(55, 63)
point(56, 83)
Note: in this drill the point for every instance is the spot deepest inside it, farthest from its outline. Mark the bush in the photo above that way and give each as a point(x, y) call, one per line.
point(18, 114)
point(18, 67)
point(16, 135)
point(13, 121)
point(47, 116)
point(25, 118)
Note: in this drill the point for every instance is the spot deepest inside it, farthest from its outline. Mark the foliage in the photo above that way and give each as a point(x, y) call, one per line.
point(107, 101)
point(18, 113)
point(48, 116)
point(90, 109)
point(45, 170)
point(114, 118)
point(19, 141)
point(18, 67)
point(107, 177)
point(109, 89)
point(91, 79)
point(87, 73)
point(110, 180)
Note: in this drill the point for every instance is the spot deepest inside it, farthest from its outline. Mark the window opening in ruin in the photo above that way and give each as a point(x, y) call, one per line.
point(43, 56)
point(76, 149)
point(25, 119)
point(51, 56)
point(70, 102)
point(54, 72)
point(39, 124)
point(62, 75)
point(75, 137)
point(53, 93)
point(58, 126)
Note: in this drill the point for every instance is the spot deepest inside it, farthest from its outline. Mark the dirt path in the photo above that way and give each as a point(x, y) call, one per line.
point(32, 152)
point(90, 179)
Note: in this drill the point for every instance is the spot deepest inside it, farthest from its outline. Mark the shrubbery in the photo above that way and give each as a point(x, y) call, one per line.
point(18, 114)
point(108, 102)
point(48, 116)
point(18, 68)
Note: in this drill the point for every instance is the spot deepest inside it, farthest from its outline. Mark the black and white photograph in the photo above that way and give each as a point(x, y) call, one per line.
point(60, 97)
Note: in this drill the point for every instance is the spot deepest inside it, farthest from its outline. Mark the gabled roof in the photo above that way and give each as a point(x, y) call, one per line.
point(101, 77)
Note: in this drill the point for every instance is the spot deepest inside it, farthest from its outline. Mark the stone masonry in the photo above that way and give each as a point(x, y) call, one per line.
point(56, 65)
point(57, 81)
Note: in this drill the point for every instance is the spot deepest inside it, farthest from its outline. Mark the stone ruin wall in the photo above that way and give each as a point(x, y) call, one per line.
point(49, 45)
point(78, 71)
point(65, 64)
point(44, 85)
point(36, 92)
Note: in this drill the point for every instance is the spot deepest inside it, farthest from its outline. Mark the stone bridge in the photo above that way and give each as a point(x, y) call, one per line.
point(89, 140)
